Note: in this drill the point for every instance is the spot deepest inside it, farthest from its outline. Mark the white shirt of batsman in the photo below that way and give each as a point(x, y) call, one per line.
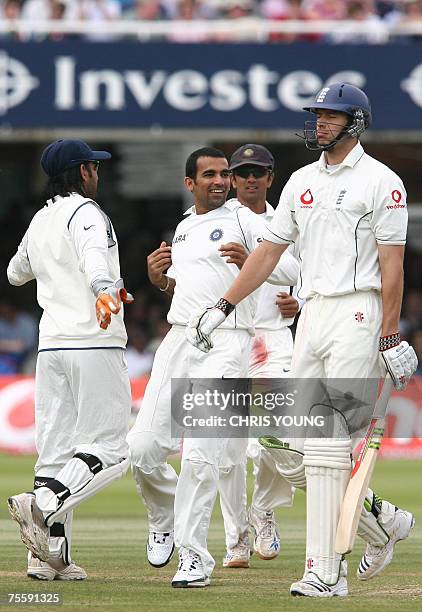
point(338, 242)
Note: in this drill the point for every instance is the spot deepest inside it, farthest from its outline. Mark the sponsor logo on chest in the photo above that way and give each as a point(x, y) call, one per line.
point(179, 238)
point(306, 199)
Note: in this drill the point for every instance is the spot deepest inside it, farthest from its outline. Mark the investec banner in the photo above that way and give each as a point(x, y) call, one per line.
point(252, 86)
point(17, 430)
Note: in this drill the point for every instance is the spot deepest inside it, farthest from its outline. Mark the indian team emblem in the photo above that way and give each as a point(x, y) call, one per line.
point(216, 234)
point(248, 153)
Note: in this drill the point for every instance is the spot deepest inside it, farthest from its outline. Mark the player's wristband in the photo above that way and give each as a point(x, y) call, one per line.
point(167, 286)
point(388, 342)
point(225, 306)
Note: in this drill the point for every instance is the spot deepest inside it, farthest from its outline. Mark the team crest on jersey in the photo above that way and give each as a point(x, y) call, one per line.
point(306, 198)
point(216, 234)
point(340, 199)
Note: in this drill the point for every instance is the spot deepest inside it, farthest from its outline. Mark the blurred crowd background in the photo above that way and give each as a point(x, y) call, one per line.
point(377, 17)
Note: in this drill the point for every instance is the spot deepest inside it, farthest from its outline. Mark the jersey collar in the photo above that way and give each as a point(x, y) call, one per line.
point(234, 203)
point(231, 204)
point(349, 161)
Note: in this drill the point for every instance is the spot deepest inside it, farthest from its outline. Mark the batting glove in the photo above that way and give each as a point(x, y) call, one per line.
point(399, 360)
point(109, 299)
point(200, 327)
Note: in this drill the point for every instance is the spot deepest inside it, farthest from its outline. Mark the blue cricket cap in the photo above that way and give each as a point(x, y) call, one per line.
point(64, 154)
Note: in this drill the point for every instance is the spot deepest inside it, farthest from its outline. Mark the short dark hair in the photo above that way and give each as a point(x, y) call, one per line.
point(65, 183)
point(191, 162)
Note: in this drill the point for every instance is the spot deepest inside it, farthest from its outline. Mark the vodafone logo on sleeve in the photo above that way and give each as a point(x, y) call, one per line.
point(306, 199)
point(397, 199)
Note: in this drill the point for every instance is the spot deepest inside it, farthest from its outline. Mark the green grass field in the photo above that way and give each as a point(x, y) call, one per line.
point(109, 542)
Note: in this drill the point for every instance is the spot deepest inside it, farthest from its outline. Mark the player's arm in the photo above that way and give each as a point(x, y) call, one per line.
point(286, 272)
point(88, 232)
point(397, 356)
point(389, 223)
point(158, 262)
point(19, 270)
point(256, 269)
point(391, 264)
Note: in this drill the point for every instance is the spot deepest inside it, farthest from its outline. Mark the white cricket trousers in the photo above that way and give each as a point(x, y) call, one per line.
point(185, 503)
point(82, 405)
point(270, 357)
point(337, 337)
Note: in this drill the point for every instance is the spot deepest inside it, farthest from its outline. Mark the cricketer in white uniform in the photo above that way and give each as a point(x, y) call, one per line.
point(349, 211)
point(70, 249)
point(199, 273)
point(252, 167)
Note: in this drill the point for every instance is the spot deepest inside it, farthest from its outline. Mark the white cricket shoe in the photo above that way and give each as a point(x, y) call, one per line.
point(239, 555)
point(160, 548)
point(54, 570)
point(311, 586)
point(376, 558)
point(190, 572)
point(34, 532)
point(267, 538)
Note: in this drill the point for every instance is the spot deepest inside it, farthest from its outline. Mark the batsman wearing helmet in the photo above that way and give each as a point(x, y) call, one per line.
point(349, 213)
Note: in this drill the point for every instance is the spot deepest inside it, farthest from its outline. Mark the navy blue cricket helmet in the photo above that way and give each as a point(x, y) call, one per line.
point(345, 98)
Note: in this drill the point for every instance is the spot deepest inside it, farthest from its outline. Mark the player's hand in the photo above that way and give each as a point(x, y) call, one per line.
point(287, 305)
point(158, 262)
point(109, 301)
point(400, 362)
point(234, 252)
point(200, 327)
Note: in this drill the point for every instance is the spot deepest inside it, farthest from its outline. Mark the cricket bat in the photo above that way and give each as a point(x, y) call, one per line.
point(361, 474)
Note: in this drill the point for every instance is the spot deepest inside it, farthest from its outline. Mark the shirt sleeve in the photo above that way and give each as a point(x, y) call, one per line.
point(286, 271)
point(88, 231)
point(283, 228)
point(389, 216)
point(253, 227)
point(19, 270)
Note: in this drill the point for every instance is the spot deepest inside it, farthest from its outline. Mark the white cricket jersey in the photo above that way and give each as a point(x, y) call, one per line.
point(341, 217)
point(68, 245)
point(267, 314)
point(202, 275)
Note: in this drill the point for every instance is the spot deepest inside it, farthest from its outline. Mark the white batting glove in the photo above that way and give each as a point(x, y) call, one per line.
point(200, 327)
point(400, 360)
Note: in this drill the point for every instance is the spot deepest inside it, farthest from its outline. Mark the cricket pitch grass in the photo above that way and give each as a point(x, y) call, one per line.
point(109, 536)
